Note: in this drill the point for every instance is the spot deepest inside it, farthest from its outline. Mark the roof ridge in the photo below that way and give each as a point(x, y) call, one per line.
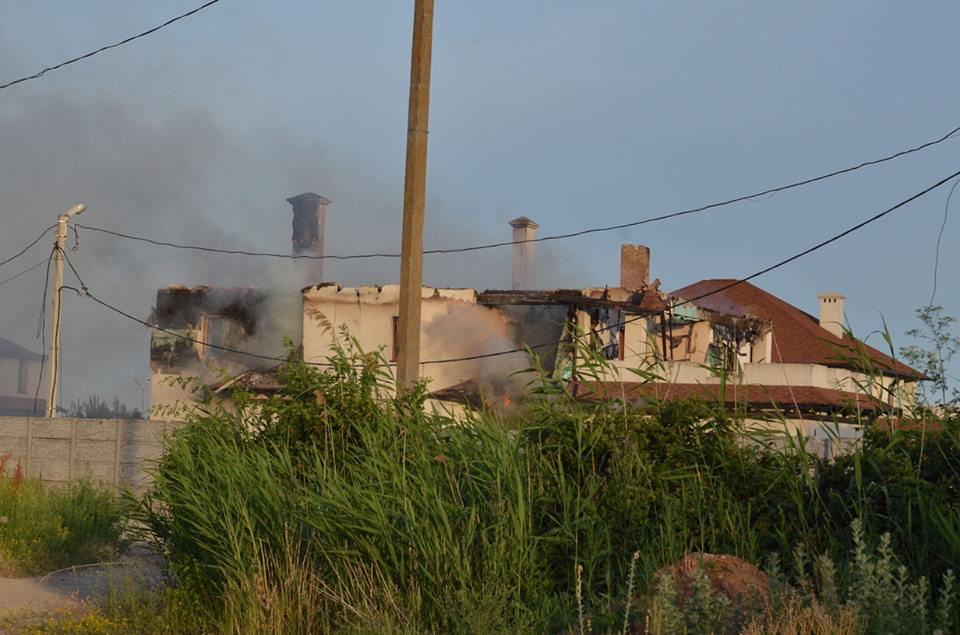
point(15, 351)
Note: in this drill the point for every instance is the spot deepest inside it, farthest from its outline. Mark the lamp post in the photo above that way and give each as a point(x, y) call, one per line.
point(62, 221)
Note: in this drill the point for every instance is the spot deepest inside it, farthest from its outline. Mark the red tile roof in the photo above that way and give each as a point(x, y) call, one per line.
point(786, 398)
point(798, 337)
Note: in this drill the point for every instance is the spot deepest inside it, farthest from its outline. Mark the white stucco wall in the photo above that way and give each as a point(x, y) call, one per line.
point(826, 439)
point(452, 326)
point(766, 374)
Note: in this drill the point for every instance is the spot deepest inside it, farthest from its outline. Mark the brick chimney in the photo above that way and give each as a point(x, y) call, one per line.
point(524, 229)
point(634, 266)
point(309, 215)
point(831, 312)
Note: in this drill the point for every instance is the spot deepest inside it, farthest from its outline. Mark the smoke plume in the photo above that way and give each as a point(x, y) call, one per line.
point(188, 178)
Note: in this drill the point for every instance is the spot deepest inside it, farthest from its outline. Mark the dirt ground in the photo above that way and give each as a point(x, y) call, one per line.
point(26, 599)
point(56, 591)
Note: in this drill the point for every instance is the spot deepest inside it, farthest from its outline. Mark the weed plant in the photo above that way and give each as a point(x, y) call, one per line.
point(43, 528)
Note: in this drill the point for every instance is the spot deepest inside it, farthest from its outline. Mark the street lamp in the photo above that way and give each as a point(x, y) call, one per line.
point(62, 221)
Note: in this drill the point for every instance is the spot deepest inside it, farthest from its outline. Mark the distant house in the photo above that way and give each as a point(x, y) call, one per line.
point(19, 380)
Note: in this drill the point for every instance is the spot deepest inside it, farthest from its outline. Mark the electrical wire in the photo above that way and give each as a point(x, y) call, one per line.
point(85, 291)
point(583, 232)
point(23, 273)
point(41, 333)
point(109, 46)
point(739, 281)
point(27, 248)
point(57, 378)
point(936, 257)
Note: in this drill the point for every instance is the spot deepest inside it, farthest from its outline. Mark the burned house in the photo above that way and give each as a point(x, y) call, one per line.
point(201, 324)
point(207, 336)
point(631, 326)
point(728, 343)
point(803, 350)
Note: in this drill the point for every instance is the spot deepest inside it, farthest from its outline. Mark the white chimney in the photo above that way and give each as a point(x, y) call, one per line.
point(831, 312)
point(524, 230)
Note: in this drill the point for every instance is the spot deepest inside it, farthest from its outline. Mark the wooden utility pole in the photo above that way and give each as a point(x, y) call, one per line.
point(414, 190)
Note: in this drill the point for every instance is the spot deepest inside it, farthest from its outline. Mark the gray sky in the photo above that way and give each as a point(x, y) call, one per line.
point(573, 113)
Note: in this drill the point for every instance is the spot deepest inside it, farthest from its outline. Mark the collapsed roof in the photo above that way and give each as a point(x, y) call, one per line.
point(799, 338)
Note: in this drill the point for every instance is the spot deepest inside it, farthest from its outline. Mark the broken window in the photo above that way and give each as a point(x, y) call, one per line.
point(218, 331)
point(607, 332)
point(729, 349)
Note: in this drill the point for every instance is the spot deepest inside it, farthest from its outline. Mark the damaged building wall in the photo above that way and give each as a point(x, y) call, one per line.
point(613, 321)
point(240, 318)
point(452, 326)
point(535, 326)
point(690, 334)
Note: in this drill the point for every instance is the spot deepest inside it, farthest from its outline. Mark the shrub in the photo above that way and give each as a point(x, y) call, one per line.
point(43, 528)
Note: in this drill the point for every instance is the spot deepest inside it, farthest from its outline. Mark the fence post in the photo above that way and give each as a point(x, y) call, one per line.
point(73, 449)
point(29, 445)
point(116, 462)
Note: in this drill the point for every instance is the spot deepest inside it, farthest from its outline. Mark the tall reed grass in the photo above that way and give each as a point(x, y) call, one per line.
point(380, 516)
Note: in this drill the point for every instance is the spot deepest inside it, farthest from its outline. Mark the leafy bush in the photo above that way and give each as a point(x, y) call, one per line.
point(905, 483)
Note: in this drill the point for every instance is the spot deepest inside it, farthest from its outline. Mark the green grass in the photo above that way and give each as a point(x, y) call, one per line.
point(43, 529)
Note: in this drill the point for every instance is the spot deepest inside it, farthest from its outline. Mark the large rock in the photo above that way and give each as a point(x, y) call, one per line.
point(745, 586)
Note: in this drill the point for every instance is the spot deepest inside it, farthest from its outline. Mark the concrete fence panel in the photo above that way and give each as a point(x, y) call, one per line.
point(113, 452)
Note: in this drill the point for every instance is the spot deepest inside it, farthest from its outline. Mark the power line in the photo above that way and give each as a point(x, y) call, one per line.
point(41, 330)
point(85, 291)
point(109, 46)
point(23, 273)
point(936, 258)
point(583, 232)
point(187, 338)
point(757, 274)
point(27, 248)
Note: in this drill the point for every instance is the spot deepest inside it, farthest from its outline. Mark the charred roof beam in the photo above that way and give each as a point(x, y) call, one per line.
point(640, 302)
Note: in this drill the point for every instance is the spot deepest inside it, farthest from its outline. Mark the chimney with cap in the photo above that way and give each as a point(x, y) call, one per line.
point(831, 312)
point(524, 230)
point(634, 266)
point(309, 215)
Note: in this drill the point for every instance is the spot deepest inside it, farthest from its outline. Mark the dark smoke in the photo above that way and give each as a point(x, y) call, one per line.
point(187, 178)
